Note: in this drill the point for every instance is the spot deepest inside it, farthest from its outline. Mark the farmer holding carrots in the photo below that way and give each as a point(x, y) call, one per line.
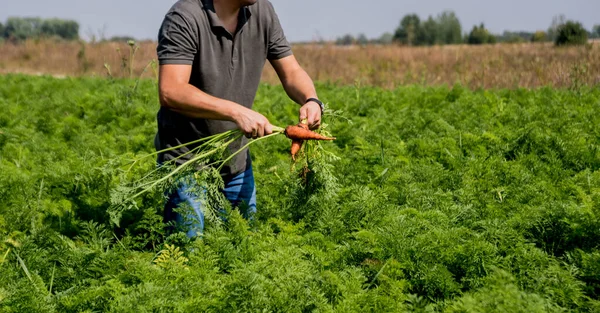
point(211, 55)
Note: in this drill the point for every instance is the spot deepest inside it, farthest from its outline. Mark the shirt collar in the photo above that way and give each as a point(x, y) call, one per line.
point(214, 20)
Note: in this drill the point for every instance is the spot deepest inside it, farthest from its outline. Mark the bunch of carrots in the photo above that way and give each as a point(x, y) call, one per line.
point(205, 153)
point(299, 133)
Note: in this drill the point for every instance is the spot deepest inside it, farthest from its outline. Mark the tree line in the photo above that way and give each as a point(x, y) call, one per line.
point(443, 29)
point(22, 28)
point(446, 28)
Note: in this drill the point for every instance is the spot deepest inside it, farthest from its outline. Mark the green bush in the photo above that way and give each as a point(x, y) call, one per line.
point(596, 31)
point(539, 36)
point(22, 28)
point(480, 35)
point(410, 31)
point(444, 29)
point(571, 33)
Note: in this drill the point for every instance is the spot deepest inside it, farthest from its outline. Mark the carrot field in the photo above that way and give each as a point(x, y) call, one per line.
point(432, 199)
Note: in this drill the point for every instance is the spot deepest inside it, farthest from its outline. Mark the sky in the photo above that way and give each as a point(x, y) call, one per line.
point(309, 20)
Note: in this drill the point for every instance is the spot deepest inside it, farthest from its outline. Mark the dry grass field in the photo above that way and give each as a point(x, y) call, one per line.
point(490, 66)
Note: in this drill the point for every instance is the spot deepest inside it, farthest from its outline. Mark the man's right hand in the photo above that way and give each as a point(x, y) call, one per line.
point(177, 94)
point(251, 123)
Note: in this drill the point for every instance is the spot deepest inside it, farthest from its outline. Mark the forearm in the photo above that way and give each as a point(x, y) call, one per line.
point(299, 86)
point(191, 101)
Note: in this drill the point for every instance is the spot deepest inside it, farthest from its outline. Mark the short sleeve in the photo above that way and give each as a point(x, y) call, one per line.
point(278, 46)
point(177, 40)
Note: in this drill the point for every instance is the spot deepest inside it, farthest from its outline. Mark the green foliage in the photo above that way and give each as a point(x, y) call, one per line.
point(479, 35)
point(450, 29)
point(21, 28)
point(444, 29)
point(515, 37)
point(121, 39)
point(345, 40)
point(502, 294)
point(430, 200)
point(386, 38)
point(557, 21)
point(171, 257)
point(64, 29)
point(595, 31)
point(409, 32)
point(362, 39)
point(430, 32)
point(539, 36)
point(348, 39)
point(571, 33)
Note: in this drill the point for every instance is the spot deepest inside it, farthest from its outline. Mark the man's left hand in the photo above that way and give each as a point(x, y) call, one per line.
point(311, 111)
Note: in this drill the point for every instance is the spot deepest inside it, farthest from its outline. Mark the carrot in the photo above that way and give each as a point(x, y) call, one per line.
point(297, 144)
point(300, 133)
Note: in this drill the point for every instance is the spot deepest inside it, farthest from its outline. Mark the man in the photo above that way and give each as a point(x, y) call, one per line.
point(211, 55)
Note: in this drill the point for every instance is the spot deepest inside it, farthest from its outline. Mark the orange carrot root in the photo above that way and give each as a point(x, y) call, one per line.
point(300, 133)
point(296, 145)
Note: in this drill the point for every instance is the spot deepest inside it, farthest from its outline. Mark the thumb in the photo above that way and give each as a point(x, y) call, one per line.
point(303, 113)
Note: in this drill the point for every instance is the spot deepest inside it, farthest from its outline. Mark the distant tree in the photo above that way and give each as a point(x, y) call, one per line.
point(21, 28)
point(510, 37)
point(465, 38)
point(121, 38)
point(443, 29)
point(68, 30)
point(571, 33)
point(362, 39)
point(430, 32)
point(556, 22)
point(449, 27)
point(515, 37)
point(18, 28)
point(539, 36)
point(345, 40)
point(480, 35)
point(596, 31)
point(65, 29)
point(1, 30)
point(386, 38)
point(409, 32)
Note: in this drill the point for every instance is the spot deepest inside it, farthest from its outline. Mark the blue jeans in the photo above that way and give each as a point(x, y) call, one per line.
point(238, 190)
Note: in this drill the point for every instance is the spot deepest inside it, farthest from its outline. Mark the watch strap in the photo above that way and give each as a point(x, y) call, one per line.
point(318, 102)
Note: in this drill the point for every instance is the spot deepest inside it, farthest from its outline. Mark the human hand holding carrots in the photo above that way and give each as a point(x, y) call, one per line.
point(299, 134)
point(252, 123)
point(311, 113)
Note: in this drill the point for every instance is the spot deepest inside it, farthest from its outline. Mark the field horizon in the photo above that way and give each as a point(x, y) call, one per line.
point(525, 65)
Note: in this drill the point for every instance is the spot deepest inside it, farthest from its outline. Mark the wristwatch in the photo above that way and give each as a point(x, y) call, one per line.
point(317, 101)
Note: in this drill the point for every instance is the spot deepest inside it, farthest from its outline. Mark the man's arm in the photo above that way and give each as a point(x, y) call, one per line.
point(299, 87)
point(177, 94)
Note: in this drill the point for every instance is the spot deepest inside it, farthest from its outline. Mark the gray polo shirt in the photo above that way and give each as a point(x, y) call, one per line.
point(224, 65)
